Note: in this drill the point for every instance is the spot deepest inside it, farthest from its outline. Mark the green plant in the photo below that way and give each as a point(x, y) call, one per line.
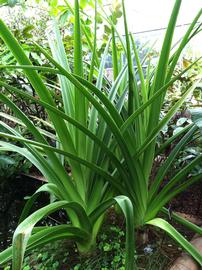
point(10, 3)
point(178, 88)
point(109, 253)
point(11, 165)
point(106, 136)
point(75, 194)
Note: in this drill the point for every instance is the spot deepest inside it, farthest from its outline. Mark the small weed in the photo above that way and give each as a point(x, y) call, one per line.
point(109, 255)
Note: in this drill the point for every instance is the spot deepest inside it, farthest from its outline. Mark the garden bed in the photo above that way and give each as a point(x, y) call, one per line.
point(155, 249)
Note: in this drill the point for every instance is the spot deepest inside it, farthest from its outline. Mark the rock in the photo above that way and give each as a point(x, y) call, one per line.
point(185, 261)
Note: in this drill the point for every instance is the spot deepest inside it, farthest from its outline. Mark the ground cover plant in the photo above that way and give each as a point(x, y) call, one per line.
point(109, 254)
point(106, 132)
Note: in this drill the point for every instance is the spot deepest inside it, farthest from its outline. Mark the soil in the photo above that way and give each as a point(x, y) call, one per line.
point(190, 201)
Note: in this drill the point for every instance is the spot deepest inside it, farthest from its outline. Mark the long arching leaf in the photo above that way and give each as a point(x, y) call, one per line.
point(164, 225)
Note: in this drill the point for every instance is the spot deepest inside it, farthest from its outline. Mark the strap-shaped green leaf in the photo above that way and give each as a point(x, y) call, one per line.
point(127, 209)
point(166, 165)
point(24, 230)
point(166, 118)
point(40, 88)
point(182, 221)
point(47, 235)
point(164, 225)
point(92, 166)
point(196, 116)
point(59, 169)
point(72, 121)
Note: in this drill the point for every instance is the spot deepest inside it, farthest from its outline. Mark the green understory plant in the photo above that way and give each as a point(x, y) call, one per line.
point(110, 253)
point(106, 132)
point(11, 165)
